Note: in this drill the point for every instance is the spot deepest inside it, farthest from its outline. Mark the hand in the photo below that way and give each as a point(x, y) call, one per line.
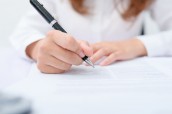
point(57, 52)
point(115, 51)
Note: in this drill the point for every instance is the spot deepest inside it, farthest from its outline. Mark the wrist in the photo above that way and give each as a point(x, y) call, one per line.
point(140, 48)
point(32, 50)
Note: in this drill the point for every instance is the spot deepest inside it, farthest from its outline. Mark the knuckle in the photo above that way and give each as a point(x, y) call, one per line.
point(44, 47)
point(72, 44)
point(70, 40)
point(51, 33)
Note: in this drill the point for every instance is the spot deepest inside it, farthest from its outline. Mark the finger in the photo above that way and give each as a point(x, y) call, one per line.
point(49, 69)
point(98, 55)
point(66, 41)
point(56, 66)
point(87, 49)
point(110, 59)
point(56, 63)
point(66, 56)
point(96, 47)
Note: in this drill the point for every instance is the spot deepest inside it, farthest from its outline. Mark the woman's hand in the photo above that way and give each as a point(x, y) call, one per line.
point(115, 51)
point(57, 52)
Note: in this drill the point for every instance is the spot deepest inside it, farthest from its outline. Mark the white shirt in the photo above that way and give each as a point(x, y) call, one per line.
point(104, 23)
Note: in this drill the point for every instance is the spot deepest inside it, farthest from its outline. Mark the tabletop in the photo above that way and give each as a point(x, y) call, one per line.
point(155, 99)
point(12, 67)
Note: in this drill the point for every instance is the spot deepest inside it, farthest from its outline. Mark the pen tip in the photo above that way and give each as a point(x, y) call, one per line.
point(88, 61)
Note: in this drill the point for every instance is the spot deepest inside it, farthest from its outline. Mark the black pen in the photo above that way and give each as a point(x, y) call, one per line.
point(53, 22)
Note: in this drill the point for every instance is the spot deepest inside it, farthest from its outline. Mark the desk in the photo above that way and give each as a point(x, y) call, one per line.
point(120, 102)
point(12, 67)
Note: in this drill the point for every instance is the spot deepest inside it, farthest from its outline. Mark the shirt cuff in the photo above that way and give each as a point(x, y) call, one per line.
point(154, 45)
point(29, 40)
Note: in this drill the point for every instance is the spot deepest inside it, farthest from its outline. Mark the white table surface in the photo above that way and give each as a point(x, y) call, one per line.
point(12, 67)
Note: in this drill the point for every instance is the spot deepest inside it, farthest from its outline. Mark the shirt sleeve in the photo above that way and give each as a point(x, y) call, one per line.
point(160, 44)
point(31, 28)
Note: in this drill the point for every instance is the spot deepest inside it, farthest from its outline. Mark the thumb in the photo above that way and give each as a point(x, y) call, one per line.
point(86, 48)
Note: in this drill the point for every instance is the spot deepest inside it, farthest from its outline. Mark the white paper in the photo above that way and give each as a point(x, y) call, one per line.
point(124, 87)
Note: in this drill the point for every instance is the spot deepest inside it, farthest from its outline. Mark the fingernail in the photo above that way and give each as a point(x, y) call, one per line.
point(81, 54)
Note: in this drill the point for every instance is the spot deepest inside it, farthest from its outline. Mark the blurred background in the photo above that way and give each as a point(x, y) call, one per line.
point(11, 12)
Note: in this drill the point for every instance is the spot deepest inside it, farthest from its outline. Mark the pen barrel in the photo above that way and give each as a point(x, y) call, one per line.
point(56, 26)
point(43, 12)
point(85, 58)
point(50, 19)
point(46, 15)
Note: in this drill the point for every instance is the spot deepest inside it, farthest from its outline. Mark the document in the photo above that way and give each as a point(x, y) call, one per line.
point(84, 79)
point(131, 85)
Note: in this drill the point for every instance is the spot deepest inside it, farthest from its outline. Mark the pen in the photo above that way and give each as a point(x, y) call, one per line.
point(50, 19)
